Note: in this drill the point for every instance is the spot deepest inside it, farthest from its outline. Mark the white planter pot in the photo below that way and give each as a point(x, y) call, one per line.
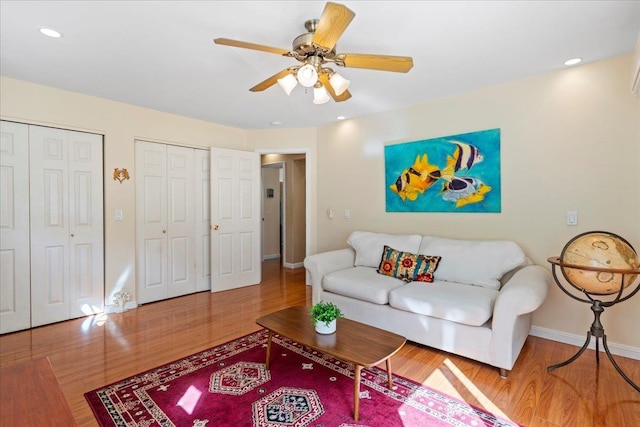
point(322, 327)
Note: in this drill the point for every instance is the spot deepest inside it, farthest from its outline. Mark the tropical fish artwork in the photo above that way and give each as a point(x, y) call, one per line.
point(414, 180)
point(466, 166)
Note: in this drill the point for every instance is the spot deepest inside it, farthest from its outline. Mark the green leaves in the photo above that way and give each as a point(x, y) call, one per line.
point(325, 312)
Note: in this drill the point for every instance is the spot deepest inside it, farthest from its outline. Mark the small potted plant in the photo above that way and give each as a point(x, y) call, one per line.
point(324, 315)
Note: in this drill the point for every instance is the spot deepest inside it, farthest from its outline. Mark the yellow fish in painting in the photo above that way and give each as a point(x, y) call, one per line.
point(464, 190)
point(414, 180)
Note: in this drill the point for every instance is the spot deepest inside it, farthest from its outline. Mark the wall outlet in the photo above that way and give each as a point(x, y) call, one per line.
point(330, 213)
point(346, 214)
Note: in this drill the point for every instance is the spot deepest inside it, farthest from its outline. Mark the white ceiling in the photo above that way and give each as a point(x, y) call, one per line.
point(160, 54)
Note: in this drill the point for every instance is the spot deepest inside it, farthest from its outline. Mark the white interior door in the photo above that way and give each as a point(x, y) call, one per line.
point(203, 220)
point(49, 225)
point(181, 220)
point(86, 224)
point(66, 225)
point(270, 212)
point(15, 298)
point(151, 220)
point(235, 216)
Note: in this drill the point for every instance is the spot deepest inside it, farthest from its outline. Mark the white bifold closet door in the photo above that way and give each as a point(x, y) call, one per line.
point(51, 225)
point(168, 214)
point(15, 274)
point(67, 250)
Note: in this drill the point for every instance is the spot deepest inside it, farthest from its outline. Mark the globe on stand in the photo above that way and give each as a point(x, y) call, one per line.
point(598, 263)
point(599, 255)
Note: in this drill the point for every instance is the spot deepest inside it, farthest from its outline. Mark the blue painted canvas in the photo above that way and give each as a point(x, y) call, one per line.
point(457, 173)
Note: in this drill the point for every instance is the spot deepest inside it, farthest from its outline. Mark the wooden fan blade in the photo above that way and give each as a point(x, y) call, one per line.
point(324, 79)
point(266, 84)
point(399, 64)
point(334, 20)
point(253, 46)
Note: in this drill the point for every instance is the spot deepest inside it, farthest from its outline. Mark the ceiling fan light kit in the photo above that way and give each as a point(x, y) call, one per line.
point(339, 83)
point(307, 75)
point(320, 94)
point(287, 83)
point(318, 47)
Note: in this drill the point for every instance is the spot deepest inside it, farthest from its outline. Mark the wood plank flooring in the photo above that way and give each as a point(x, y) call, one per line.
point(94, 351)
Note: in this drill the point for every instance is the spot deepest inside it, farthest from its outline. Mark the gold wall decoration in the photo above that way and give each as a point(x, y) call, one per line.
point(120, 174)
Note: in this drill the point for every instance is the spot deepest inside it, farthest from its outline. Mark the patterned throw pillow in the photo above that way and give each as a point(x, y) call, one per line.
point(407, 266)
point(425, 267)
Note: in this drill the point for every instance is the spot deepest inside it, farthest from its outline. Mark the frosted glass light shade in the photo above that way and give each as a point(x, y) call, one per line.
point(320, 95)
point(339, 83)
point(287, 83)
point(307, 75)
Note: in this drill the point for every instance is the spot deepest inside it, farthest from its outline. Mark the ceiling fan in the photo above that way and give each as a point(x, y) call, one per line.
point(316, 48)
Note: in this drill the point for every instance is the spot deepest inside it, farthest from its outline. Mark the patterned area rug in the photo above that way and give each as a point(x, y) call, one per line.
point(229, 386)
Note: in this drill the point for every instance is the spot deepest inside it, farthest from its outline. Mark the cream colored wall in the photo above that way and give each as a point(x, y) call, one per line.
point(570, 140)
point(120, 124)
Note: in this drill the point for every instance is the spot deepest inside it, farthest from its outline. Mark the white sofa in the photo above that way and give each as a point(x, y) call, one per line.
point(479, 304)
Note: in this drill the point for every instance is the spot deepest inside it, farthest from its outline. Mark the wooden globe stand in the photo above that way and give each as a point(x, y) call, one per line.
point(597, 306)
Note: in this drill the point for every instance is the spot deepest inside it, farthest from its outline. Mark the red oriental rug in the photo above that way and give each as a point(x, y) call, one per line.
point(228, 385)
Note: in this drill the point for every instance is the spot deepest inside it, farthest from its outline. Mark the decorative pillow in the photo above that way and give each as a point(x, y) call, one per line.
point(407, 266)
point(369, 246)
point(425, 266)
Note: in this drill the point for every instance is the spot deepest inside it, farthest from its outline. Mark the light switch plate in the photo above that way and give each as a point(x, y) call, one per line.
point(572, 217)
point(118, 214)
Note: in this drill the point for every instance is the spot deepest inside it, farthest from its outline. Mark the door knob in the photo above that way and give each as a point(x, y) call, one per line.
point(215, 226)
point(164, 231)
point(71, 234)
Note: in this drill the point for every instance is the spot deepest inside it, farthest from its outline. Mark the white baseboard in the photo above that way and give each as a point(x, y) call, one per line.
point(578, 341)
point(129, 305)
point(272, 256)
point(293, 265)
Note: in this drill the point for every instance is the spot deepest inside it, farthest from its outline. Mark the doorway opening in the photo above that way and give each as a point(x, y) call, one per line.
point(285, 207)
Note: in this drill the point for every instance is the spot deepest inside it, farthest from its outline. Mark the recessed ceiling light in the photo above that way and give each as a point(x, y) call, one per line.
point(341, 117)
point(573, 61)
point(276, 123)
point(50, 33)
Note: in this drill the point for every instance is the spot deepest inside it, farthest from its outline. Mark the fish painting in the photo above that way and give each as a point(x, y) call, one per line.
point(464, 190)
point(455, 173)
point(414, 180)
point(465, 156)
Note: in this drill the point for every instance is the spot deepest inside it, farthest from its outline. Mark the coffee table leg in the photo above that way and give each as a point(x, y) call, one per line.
point(268, 350)
point(356, 392)
point(390, 380)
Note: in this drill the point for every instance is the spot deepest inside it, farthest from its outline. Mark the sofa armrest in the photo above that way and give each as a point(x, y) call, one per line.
point(319, 265)
point(521, 295)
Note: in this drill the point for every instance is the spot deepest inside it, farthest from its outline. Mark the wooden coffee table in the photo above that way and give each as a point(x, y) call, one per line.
point(360, 344)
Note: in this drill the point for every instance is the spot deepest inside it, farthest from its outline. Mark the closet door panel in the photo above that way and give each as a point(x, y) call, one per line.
point(151, 221)
point(86, 224)
point(49, 225)
point(15, 299)
point(181, 220)
point(203, 220)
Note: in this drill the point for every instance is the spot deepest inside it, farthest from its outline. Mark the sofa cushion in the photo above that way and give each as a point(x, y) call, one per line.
point(481, 263)
point(407, 266)
point(457, 302)
point(362, 283)
point(369, 246)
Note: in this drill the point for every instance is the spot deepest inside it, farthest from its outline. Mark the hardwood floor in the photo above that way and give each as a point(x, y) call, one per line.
point(94, 351)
